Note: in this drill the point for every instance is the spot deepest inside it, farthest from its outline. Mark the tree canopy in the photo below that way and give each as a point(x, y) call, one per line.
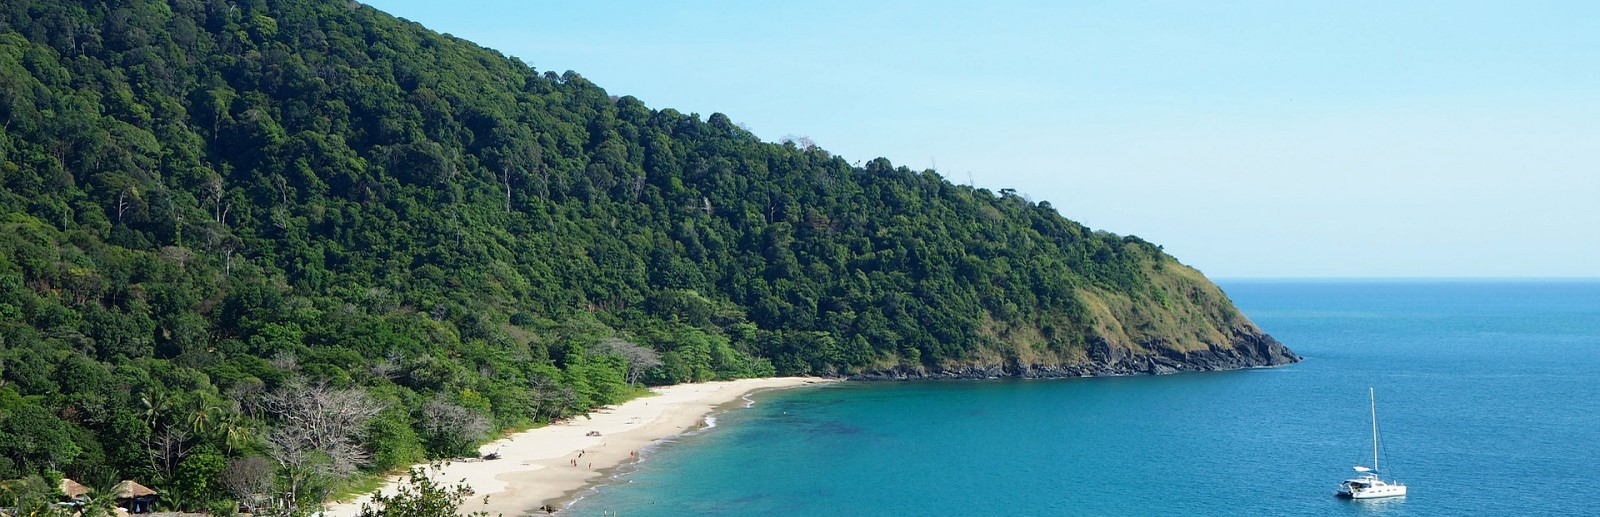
point(206, 204)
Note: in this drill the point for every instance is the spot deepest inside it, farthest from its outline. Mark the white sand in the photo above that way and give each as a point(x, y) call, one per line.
point(536, 466)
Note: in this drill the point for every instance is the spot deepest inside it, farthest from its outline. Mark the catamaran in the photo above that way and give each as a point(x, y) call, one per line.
point(1368, 485)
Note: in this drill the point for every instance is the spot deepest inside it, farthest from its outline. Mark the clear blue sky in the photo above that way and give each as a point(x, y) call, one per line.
point(1251, 139)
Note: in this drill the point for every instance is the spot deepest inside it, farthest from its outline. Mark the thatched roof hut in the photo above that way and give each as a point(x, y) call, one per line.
point(74, 489)
point(135, 497)
point(128, 489)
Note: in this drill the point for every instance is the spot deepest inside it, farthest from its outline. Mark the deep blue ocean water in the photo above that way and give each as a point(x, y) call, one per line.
point(1488, 398)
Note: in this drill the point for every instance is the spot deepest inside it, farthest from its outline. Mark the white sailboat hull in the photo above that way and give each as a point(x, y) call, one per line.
point(1376, 492)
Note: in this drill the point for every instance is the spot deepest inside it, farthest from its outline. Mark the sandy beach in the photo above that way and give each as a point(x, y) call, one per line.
point(544, 465)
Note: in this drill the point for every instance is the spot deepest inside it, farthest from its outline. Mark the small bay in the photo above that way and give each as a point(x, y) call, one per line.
point(1486, 398)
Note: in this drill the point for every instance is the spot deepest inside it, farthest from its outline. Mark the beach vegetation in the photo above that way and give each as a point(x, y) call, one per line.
point(420, 496)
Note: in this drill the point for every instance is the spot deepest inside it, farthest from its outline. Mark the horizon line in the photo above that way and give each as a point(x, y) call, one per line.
point(1441, 279)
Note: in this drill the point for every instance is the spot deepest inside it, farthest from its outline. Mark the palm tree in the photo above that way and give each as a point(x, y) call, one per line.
point(154, 404)
point(202, 420)
point(235, 430)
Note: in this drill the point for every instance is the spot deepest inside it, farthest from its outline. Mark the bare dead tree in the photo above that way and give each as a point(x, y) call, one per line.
point(284, 360)
point(541, 386)
point(123, 204)
point(517, 160)
point(168, 448)
point(536, 162)
point(283, 189)
point(249, 479)
point(505, 178)
point(247, 394)
point(176, 255)
point(640, 359)
point(389, 367)
point(456, 428)
point(291, 448)
point(229, 246)
point(454, 156)
point(317, 418)
point(566, 400)
point(214, 190)
point(551, 399)
point(317, 433)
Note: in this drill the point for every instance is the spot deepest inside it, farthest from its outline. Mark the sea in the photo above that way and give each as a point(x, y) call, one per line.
point(1488, 403)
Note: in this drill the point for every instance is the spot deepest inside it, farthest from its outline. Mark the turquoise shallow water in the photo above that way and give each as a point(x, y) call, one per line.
point(1488, 396)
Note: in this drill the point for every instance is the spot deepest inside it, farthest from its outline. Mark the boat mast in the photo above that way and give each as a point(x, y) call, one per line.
point(1372, 396)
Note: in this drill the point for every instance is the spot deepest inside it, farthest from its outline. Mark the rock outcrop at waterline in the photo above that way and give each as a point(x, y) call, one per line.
point(1173, 320)
point(1250, 348)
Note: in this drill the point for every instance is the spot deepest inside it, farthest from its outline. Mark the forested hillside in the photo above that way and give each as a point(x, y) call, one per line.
point(211, 212)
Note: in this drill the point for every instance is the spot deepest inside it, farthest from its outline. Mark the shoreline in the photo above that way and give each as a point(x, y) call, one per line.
point(551, 465)
point(704, 423)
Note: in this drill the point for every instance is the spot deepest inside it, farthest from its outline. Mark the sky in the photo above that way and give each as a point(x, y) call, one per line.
point(1251, 139)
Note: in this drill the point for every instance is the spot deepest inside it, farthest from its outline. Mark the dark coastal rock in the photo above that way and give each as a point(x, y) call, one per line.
point(1250, 348)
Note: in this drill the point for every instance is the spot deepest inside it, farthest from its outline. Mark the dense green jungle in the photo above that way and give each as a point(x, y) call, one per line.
point(255, 252)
